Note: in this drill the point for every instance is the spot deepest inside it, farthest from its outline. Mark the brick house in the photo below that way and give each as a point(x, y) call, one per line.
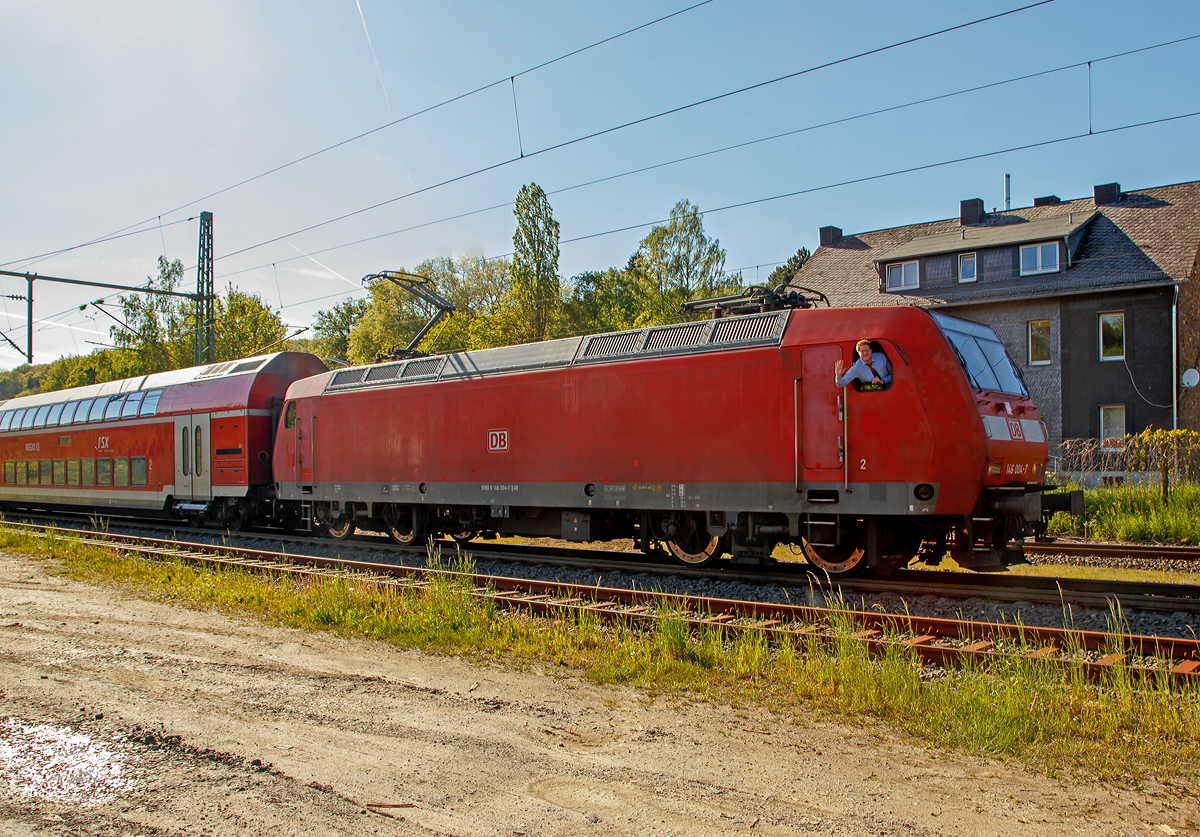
point(1092, 297)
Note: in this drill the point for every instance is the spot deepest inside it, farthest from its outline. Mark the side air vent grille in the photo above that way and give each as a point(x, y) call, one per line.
point(216, 369)
point(676, 337)
point(423, 368)
point(753, 327)
point(386, 372)
point(606, 345)
point(346, 377)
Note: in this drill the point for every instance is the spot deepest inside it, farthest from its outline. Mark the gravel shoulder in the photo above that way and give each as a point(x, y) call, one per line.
point(124, 716)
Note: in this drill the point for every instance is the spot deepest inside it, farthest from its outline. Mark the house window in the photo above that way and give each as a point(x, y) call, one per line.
point(966, 267)
point(903, 276)
point(1112, 426)
point(1039, 342)
point(1112, 336)
point(1039, 258)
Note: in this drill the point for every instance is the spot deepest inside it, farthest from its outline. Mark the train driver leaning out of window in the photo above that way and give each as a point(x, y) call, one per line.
point(870, 368)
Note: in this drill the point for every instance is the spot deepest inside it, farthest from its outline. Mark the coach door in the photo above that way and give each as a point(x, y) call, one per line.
point(193, 458)
point(820, 403)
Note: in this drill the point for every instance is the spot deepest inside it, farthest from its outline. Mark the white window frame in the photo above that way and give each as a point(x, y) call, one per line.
point(1029, 343)
point(903, 269)
point(1124, 427)
point(974, 261)
point(1037, 249)
point(1100, 336)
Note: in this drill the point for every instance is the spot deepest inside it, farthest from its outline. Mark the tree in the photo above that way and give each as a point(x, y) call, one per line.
point(158, 328)
point(601, 300)
point(787, 271)
point(331, 330)
point(677, 262)
point(245, 326)
point(535, 283)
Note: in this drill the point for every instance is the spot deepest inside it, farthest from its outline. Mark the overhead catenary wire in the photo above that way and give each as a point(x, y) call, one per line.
point(641, 121)
point(364, 134)
point(745, 144)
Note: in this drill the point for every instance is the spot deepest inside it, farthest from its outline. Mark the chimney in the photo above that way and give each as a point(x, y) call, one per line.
point(971, 211)
point(1107, 193)
point(1048, 200)
point(830, 235)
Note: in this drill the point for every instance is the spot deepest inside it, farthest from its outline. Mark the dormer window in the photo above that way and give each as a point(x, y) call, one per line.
point(1039, 258)
point(903, 276)
point(966, 267)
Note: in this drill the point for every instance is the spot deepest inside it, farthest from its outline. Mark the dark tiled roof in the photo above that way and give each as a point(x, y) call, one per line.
point(1148, 237)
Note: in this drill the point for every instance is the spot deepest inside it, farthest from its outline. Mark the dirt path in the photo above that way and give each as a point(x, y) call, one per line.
point(187, 722)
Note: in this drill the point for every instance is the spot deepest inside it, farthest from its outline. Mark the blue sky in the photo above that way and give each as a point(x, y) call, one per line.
point(120, 112)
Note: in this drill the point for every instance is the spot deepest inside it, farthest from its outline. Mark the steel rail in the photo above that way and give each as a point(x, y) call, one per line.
point(934, 640)
point(1115, 550)
point(1159, 597)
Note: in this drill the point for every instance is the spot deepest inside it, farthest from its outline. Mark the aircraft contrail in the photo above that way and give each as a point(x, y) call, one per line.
point(373, 58)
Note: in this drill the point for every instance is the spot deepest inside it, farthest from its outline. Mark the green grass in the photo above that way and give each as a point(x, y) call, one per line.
point(1136, 514)
point(1053, 718)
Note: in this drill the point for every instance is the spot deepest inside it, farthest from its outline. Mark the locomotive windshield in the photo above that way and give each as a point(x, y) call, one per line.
point(982, 355)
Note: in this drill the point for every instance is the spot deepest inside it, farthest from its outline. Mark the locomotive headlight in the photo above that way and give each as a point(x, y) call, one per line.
point(923, 492)
point(994, 468)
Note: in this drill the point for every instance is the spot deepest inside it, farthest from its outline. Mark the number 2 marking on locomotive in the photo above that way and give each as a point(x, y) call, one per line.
point(862, 465)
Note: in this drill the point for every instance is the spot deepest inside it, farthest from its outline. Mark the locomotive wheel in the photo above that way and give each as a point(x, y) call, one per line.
point(843, 560)
point(403, 526)
point(340, 529)
point(238, 523)
point(696, 551)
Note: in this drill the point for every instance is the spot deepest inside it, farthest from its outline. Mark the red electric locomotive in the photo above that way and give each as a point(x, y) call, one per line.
point(728, 435)
point(192, 442)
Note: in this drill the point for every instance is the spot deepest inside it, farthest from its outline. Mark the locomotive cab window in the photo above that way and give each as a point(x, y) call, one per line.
point(289, 417)
point(879, 359)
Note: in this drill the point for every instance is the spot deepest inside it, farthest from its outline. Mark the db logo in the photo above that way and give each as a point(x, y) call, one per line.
point(497, 440)
point(1014, 429)
point(102, 443)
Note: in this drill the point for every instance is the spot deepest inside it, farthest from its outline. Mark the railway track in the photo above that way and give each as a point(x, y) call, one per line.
point(1093, 593)
point(1133, 551)
point(934, 641)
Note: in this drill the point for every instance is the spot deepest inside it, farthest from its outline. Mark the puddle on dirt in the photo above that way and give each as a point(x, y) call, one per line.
point(57, 764)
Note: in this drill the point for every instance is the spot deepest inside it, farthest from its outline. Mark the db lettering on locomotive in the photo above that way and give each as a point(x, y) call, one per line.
point(498, 440)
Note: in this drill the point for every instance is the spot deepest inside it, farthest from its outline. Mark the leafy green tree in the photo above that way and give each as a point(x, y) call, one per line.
point(245, 326)
point(159, 328)
point(787, 271)
point(332, 328)
point(677, 262)
point(601, 300)
point(535, 283)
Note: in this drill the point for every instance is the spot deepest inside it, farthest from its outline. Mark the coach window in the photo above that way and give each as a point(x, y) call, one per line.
point(103, 470)
point(27, 419)
point(22, 471)
point(72, 472)
point(39, 419)
point(97, 411)
point(10, 472)
point(137, 471)
point(55, 412)
point(120, 466)
point(87, 471)
point(81, 412)
point(199, 461)
point(130, 410)
point(68, 413)
point(60, 472)
point(113, 410)
point(44, 472)
point(184, 459)
point(6, 420)
point(150, 404)
point(289, 418)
